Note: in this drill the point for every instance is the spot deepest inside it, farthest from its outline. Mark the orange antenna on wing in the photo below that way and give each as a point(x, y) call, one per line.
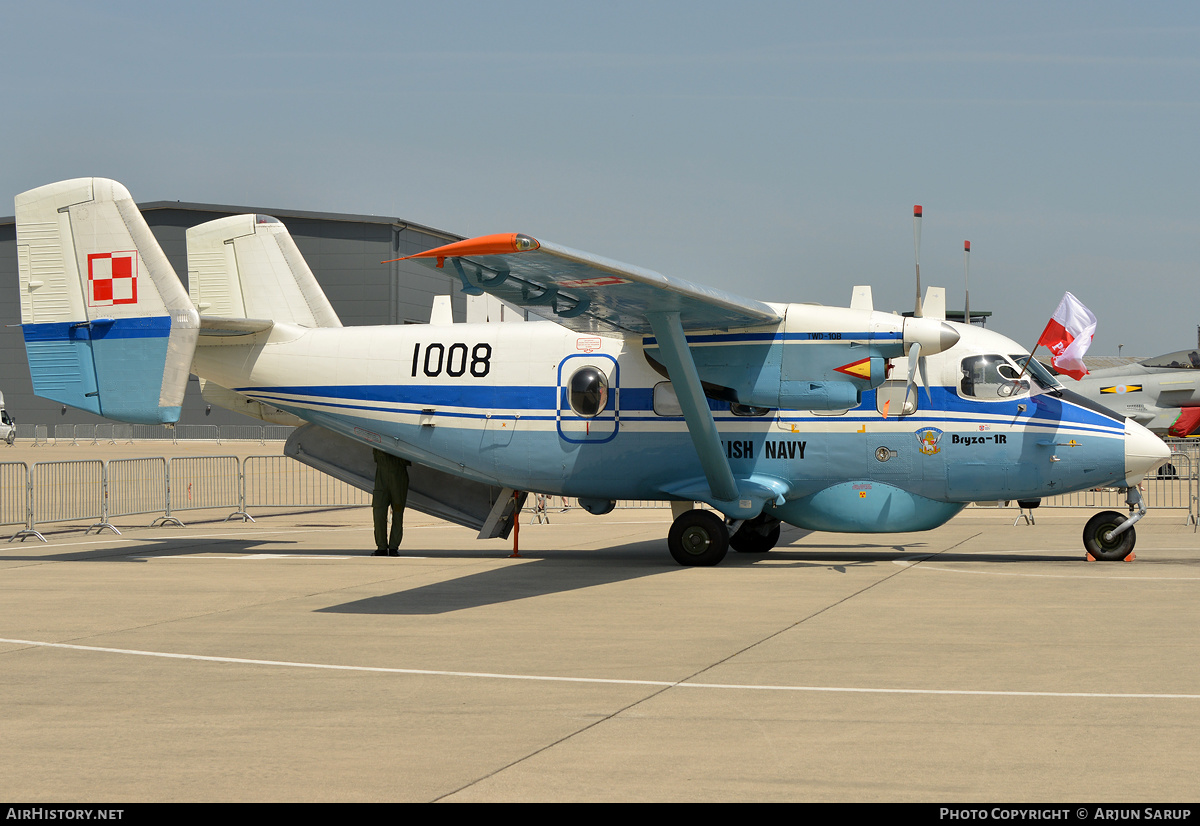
point(500, 244)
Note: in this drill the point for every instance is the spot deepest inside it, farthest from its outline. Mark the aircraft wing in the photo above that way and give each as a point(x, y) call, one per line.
point(585, 292)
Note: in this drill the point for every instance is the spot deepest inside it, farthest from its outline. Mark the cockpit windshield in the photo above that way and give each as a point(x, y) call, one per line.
point(992, 377)
point(1044, 378)
point(1182, 360)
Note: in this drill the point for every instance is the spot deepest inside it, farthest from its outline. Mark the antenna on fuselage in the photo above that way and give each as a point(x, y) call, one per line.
point(967, 277)
point(917, 255)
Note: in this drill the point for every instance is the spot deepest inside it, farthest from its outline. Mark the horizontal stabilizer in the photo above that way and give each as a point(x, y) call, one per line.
point(215, 326)
point(108, 326)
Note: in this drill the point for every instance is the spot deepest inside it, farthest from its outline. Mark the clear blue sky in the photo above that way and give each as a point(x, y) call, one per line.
point(769, 149)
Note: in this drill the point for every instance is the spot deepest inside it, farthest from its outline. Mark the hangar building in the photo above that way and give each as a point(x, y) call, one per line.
point(343, 251)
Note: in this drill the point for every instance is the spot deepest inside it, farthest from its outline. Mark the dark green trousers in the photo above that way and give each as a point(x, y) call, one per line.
point(391, 491)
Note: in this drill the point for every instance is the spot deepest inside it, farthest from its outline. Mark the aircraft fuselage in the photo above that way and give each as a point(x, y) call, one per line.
point(493, 402)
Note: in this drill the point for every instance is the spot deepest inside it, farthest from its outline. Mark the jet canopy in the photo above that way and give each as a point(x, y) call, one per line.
point(1181, 359)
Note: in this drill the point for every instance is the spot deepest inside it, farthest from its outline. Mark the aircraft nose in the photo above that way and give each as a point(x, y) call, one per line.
point(1143, 451)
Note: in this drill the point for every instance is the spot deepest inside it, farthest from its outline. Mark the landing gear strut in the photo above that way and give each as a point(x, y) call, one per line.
point(1108, 535)
point(698, 537)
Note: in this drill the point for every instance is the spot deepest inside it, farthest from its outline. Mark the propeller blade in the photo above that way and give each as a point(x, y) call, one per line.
point(915, 363)
point(967, 278)
point(917, 211)
point(914, 354)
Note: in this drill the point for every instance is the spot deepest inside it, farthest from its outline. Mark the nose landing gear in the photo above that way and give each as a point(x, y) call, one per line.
point(1109, 536)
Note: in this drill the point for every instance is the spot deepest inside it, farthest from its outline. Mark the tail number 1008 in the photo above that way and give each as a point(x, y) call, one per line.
point(453, 360)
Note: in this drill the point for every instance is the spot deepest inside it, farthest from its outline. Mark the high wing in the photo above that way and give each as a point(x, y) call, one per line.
point(588, 293)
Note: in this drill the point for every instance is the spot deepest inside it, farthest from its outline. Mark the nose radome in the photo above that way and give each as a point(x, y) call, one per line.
point(1143, 451)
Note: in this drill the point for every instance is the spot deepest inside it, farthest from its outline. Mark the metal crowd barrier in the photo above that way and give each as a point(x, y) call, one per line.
point(64, 492)
point(281, 481)
point(14, 493)
point(136, 486)
point(129, 433)
point(91, 489)
point(204, 482)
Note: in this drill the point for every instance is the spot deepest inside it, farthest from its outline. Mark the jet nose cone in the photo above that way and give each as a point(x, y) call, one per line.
point(1143, 451)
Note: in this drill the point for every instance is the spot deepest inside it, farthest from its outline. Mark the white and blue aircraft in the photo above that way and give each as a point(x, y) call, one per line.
point(639, 386)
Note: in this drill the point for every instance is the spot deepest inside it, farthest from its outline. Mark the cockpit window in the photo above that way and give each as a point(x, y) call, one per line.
point(1044, 378)
point(1184, 359)
point(991, 377)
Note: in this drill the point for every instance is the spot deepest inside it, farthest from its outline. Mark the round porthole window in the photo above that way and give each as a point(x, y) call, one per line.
point(587, 391)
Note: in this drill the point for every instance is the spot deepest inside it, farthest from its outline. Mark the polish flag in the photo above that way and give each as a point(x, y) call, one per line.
point(1068, 335)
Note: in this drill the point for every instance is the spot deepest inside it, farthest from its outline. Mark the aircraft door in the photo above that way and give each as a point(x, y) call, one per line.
point(588, 398)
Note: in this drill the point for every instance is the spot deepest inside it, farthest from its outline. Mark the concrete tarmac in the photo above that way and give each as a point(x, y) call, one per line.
point(276, 661)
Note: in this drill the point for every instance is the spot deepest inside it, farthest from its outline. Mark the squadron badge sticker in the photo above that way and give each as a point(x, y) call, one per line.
point(927, 440)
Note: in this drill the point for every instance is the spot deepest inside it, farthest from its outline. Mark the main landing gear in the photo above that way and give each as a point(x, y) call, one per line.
point(700, 537)
point(1109, 536)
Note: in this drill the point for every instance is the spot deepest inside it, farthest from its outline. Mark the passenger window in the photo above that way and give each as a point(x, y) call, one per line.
point(666, 403)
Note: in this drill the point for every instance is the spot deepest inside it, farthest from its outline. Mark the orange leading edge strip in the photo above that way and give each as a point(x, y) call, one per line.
point(501, 244)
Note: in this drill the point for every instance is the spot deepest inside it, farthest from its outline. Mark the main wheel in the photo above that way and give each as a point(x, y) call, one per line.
point(1100, 545)
point(756, 536)
point(698, 538)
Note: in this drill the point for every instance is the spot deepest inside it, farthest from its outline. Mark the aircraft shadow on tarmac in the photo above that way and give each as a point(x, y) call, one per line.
point(553, 572)
point(545, 572)
point(145, 551)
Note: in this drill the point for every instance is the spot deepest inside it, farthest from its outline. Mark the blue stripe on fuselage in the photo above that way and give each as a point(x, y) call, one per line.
point(1042, 410)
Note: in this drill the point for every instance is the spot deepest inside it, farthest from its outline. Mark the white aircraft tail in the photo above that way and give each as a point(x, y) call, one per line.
point(108, 326)
point(248, 266)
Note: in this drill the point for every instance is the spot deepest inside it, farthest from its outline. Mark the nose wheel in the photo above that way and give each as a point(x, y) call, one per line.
point(1101, 543)
point(698, 537)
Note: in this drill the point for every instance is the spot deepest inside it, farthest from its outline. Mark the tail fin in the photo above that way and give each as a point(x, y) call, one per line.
point(108, 327)
point(248, 266)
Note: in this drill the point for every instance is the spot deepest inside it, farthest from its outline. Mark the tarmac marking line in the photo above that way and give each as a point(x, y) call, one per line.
point(925, 566)
point(605, 681)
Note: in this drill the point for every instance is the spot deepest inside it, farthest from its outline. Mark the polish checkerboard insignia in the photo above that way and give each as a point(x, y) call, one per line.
point(112, 278)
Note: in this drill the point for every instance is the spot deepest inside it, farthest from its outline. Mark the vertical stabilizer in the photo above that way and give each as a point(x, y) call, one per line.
point(248, 266)
point(108, 327)
point(935, 303)
point(860, 299)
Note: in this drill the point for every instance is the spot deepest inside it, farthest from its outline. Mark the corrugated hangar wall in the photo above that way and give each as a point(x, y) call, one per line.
point(344, 252)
